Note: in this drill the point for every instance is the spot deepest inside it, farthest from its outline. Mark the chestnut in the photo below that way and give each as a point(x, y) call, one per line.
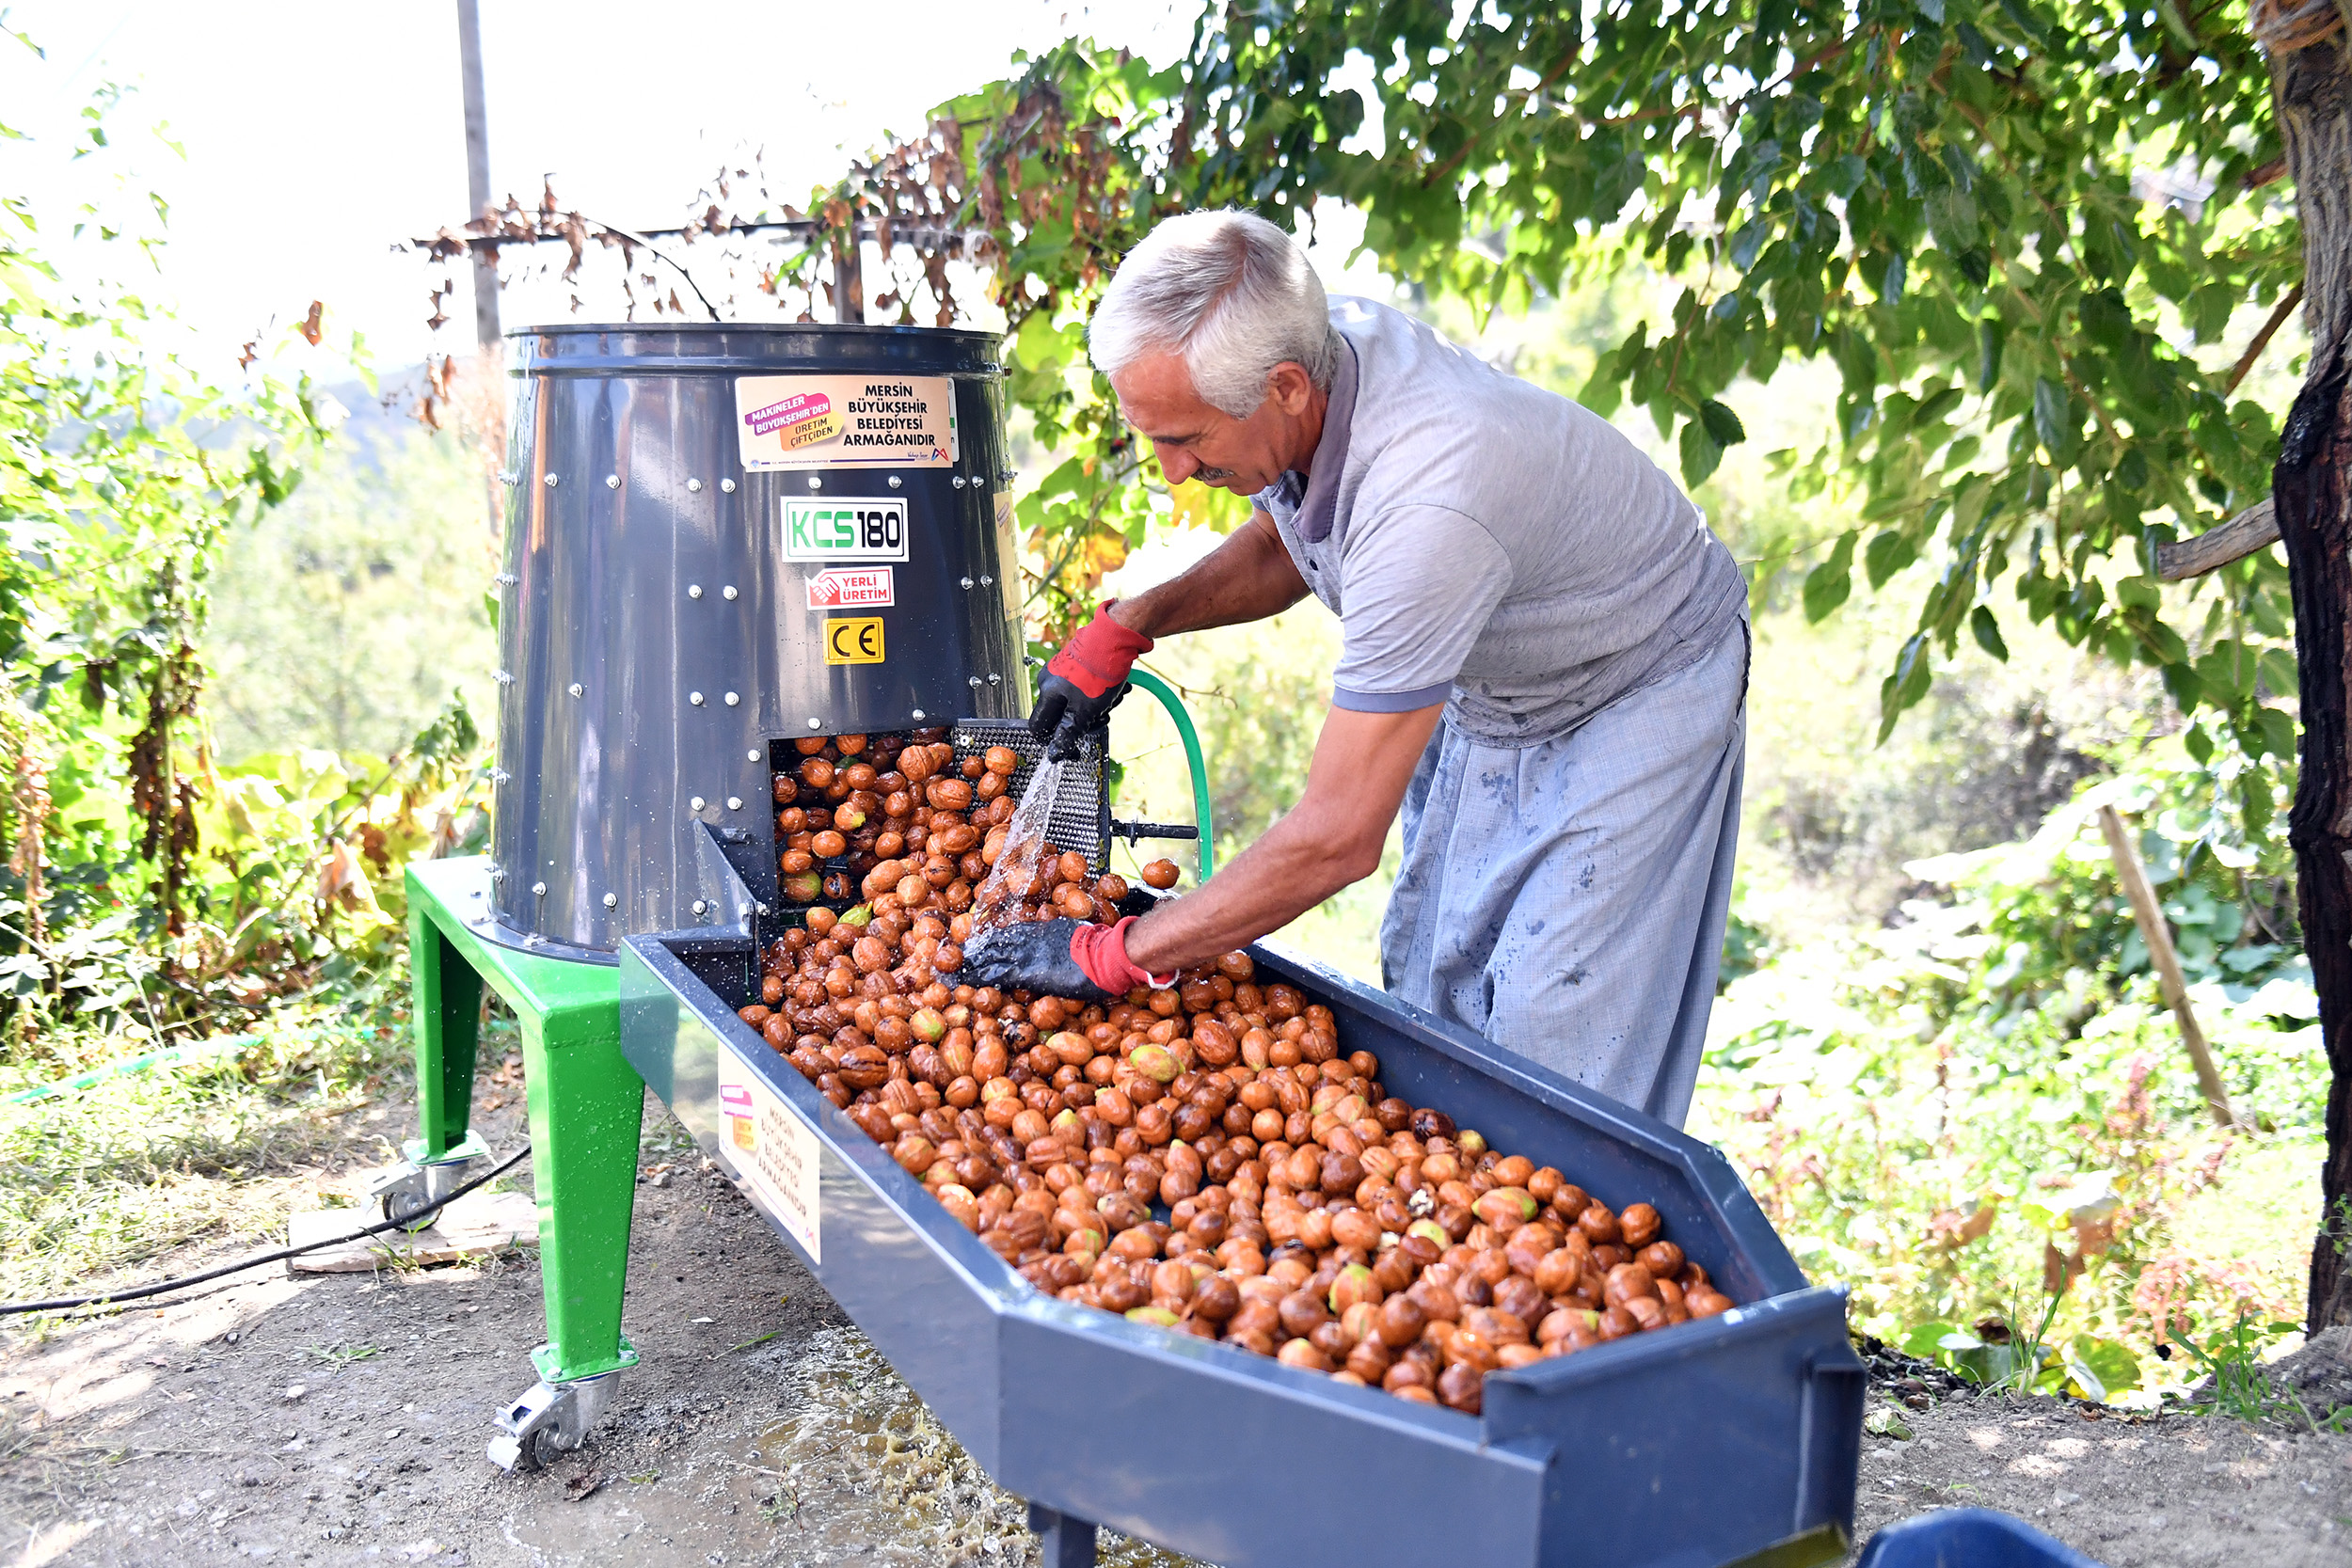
point(1639, 1226)
point(1458, 1387)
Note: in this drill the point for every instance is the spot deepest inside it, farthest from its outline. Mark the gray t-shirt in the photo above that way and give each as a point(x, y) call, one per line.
point(1490, 545)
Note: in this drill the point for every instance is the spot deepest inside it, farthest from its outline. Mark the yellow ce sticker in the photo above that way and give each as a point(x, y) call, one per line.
point(857, 640)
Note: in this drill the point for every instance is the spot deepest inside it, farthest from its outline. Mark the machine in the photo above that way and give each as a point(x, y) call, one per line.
point(723, 539)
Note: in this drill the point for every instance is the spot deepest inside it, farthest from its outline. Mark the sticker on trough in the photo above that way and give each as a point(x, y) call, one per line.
point(772, 1151)
point(852, 588)
point(870, 527)
point(846, 422)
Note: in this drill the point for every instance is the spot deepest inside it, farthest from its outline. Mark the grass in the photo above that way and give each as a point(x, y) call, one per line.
point(107, 1179)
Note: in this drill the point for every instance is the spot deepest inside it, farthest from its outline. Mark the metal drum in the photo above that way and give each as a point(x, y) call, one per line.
point(720, 538)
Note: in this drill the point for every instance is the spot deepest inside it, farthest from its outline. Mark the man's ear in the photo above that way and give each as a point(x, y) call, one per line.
point(1289, 387)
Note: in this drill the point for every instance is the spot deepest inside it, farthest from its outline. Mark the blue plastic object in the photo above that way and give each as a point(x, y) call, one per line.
point(1968, 1538)
point(1723, 1441)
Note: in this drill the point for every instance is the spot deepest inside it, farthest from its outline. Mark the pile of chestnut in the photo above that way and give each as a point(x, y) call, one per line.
point(1205, 1157)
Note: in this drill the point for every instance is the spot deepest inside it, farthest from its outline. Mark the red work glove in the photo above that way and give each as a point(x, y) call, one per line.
point(1100, 951)
point(1084, 681)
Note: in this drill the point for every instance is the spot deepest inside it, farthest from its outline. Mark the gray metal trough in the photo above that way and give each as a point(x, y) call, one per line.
point(1731, 1440)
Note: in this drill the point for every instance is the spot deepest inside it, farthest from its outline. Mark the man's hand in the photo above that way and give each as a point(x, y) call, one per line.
point(1032, 955)
point(1084, 681)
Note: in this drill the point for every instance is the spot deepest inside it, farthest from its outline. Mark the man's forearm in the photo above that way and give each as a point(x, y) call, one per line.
point(1362, 764)
point(1248, 578)
point(1290, 870)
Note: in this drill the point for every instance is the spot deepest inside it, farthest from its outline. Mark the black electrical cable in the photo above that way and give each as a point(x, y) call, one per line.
point(66, 1303)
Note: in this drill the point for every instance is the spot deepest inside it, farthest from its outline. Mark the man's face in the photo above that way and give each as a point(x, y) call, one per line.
point(1197, 440)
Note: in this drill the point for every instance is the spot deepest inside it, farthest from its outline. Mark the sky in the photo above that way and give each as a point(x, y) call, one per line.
point(316, 137)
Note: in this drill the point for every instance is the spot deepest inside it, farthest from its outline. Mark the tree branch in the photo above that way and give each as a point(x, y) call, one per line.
point(2262, 174)
point(2254, 529)
point(2261, 340)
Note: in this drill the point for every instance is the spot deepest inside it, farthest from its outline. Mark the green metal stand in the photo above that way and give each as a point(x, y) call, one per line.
point(586, 1103)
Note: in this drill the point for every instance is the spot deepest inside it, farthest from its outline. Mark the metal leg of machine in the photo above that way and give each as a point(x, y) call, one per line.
point(1066, 1542)
point(586, 1104)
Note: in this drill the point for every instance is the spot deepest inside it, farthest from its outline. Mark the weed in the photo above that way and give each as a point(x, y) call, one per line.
point(2232, 1360)
point(780, 1508)
point(342, 1356)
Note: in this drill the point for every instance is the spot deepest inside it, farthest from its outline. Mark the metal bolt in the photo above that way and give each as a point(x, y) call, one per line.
point(509, 478)
point(548, 481)
point(967, 585)
point(539, 890)
point(694, 486)
point(817, 723)
point(577, 688)
point(735, 803)
point(509, 579)
point(612, 901)
point(815, 483)
point(750, 757)
point(728, 485)
point(995, 679)
point(733, 699)
point(973, 681)
point(957, 482)
point(612, 482)
point(1007, 477)
point(727, 593)
point(986, 579)
point(500, 775)
point(918, 713)
point(695, 698)
point(762, 907)
point(696, 804)
point(497, 873)
point(700, 906)
point(693, 589)
point(895, 482)
point(502, 677)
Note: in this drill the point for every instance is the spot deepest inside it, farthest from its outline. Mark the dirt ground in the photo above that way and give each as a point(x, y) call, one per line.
point(342, 1419)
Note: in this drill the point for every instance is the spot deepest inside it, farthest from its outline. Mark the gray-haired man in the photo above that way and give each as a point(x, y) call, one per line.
point(1544, 664)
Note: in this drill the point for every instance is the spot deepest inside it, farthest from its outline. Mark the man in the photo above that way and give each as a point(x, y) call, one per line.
point(1544, 664)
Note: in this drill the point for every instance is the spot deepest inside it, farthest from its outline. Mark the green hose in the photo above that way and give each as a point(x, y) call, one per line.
point(176, 1056)
point(1200, 812)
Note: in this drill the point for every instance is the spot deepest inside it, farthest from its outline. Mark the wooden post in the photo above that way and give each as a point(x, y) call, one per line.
point(2158, 936)
point(486, 257)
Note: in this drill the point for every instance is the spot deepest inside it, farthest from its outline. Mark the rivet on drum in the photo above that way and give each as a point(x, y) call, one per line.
point(549, 482)
point(733, 699)
point(815, 483)
point(612, 482)
point(735, 803)
point(696, 804)
point(700, 907)
point(895, 482)
point(727, 593)
point(728, 485)
point(612, 901)
point(695, 698)
point(693, 589)
point(576, 688)
point(694, 486)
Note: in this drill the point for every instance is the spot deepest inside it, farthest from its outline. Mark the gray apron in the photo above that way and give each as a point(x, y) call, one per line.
point(1567, 900)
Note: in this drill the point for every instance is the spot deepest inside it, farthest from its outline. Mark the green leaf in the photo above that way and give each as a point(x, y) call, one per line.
point(1723, 426)
point(1987, 632)
point(1701, 453)
point(2053, 416)
point(1889, 552)
point(1827, 585)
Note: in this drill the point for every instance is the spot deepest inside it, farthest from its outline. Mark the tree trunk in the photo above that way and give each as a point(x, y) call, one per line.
point(2312, 91)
